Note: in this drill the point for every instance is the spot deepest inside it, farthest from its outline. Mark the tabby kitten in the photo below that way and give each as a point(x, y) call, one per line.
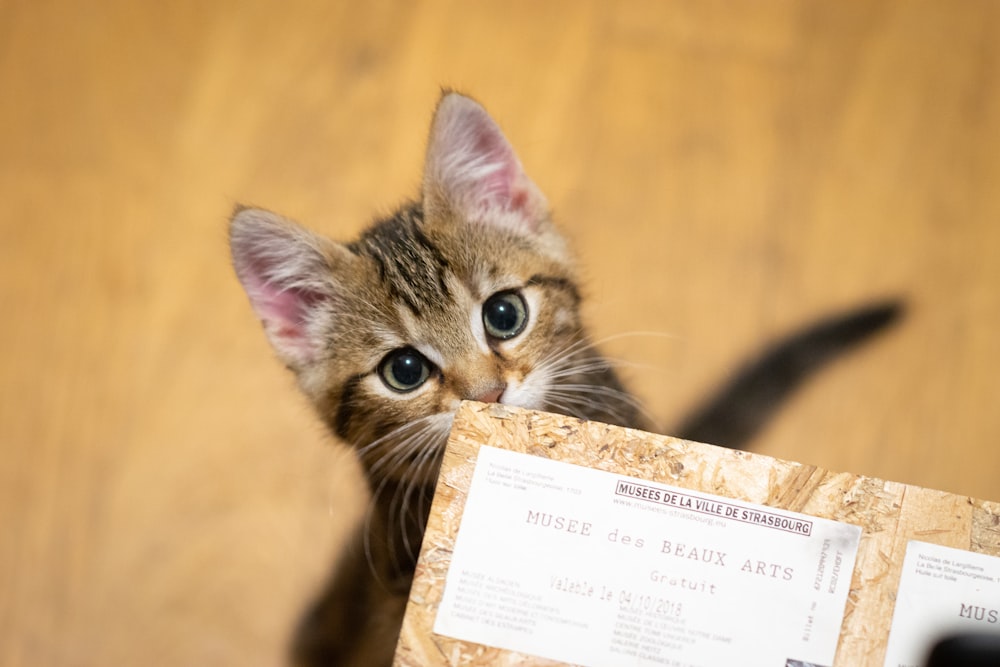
point(469, 293)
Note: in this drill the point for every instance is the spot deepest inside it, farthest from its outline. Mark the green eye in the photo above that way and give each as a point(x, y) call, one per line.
point(505, 314)
point(404, 370)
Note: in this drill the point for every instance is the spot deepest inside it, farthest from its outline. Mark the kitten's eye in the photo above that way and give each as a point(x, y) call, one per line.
point(404, 370)
point(505, 314)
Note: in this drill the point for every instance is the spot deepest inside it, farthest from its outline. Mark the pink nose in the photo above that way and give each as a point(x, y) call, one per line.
point(492, 395)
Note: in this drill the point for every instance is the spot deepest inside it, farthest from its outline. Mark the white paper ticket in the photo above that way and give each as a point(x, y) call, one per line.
point(594, 568)
point(942, 591)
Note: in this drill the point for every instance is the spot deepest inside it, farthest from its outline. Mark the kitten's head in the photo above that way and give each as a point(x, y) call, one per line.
point(468, 294)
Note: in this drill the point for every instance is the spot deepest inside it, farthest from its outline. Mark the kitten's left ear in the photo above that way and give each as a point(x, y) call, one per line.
point(288, 273)
point(471, 170)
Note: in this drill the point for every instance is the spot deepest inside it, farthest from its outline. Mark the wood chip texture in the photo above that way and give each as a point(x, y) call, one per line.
point(890, 514)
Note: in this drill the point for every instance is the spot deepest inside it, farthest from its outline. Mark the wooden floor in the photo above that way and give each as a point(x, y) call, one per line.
point(728, 172)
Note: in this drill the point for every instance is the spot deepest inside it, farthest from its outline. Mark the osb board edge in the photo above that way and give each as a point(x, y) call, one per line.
point(890, 514)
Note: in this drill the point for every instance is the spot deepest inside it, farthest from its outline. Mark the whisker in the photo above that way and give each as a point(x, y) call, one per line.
point(394, 433)
point(414, 451)
point(424, 462)
point(585, 408)
point(636, 334)
point(584, 344)
point(610, 392)
point(395, 459)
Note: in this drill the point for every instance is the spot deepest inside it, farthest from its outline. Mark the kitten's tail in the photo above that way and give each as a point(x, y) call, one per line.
point(734, 415)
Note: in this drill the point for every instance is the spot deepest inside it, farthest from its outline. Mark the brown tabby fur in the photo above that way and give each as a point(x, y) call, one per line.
point(421, 282)
point(418, 279)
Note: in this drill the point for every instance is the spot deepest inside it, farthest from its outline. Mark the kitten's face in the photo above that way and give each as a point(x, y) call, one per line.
point(437, 313)
point(469, 295)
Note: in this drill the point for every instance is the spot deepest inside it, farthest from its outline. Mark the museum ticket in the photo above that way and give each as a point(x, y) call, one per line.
point(594, 568)
point(942, 591)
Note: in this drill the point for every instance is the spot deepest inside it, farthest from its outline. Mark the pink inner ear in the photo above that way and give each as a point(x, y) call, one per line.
point(287, 272)
point(472, 164)
point(496, 184)
point(284, 313)
point(287, 308)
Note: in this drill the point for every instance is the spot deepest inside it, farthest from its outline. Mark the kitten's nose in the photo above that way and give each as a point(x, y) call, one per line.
point(491, 395)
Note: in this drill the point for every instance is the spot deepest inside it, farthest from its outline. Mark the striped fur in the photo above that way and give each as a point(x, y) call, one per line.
point(418, 285)
point(418, 281)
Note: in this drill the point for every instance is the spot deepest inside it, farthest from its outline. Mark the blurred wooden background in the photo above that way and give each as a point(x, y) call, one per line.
point(727, 170)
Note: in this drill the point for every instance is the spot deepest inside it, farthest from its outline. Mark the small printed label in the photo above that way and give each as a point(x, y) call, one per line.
point(942, 591)
point(593, 568)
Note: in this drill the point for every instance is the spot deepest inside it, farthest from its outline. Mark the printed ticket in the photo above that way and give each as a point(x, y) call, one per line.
point(942, 591)
point(593, 568)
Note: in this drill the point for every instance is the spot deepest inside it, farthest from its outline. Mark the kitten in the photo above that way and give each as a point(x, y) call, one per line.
point(469, 293)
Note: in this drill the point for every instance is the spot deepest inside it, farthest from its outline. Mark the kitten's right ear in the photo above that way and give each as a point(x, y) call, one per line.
point(287, 272)
point(471, 169)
